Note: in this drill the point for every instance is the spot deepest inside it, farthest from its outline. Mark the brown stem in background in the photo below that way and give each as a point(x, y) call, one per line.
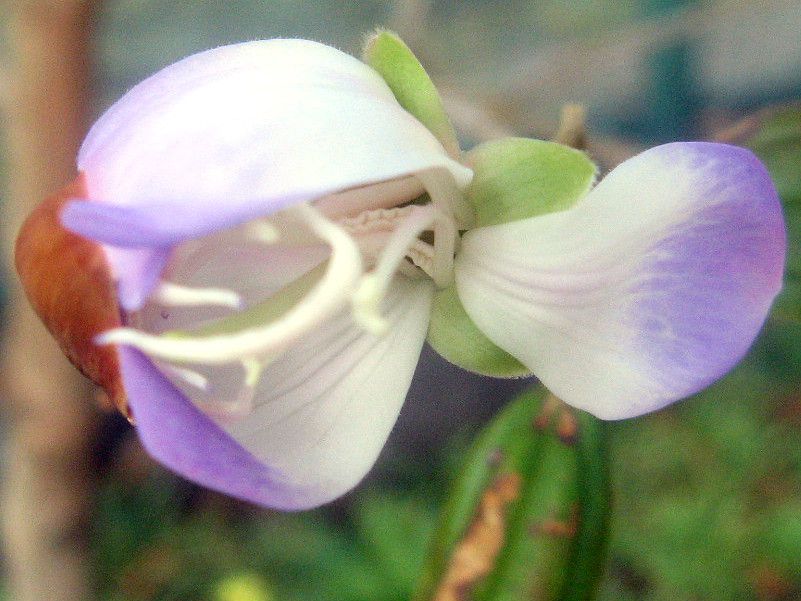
point(572, 126)
point(480, 123)
point(408, 19)
point(47, 485)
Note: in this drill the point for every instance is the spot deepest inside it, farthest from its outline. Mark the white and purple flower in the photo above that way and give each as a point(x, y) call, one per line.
point(278, 228)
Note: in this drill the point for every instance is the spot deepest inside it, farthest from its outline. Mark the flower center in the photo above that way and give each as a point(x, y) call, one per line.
point(390, 242)
point(366, 251)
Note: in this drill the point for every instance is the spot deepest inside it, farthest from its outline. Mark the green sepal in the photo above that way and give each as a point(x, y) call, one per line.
point(514, 178)
point(453, 335)
point(518, 178)
point(385, 52)
point(555, 531)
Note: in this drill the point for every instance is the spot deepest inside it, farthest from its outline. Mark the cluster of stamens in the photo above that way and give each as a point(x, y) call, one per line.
point(367, 250)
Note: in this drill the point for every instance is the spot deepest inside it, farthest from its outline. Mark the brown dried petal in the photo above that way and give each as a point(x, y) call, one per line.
point(68, 282)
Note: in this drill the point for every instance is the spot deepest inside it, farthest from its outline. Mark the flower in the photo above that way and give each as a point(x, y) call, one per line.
point(281, 234)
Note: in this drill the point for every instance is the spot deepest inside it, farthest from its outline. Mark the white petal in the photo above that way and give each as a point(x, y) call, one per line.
point(271, 122)
point(323, 410)
point(648, 290)
point(253, 270)
point(235, 133)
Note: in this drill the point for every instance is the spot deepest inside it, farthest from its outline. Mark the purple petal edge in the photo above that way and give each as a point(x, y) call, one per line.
point(183, 439)
point(163, 224)
point(722, 273)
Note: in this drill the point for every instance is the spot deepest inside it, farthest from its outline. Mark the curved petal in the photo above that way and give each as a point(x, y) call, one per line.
point(244, 130)
point(321, 415)
point(646, 291)
point(241, 131)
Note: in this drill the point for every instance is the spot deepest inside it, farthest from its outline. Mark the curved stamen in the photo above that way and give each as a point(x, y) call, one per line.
point(328, 296)
point(446, 196)
point(445, 237)
point(168, 293)
point(374, 285)
point(189, 376)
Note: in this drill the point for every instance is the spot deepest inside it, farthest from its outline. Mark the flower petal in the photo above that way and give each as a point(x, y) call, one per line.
point(238, 132)
point(321, 415)
point(646, 291)
point(244, 130)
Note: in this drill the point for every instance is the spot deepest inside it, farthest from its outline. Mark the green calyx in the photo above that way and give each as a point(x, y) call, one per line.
point(514, 178)
point(453, 335)
point(398, 66)
point(518, 178)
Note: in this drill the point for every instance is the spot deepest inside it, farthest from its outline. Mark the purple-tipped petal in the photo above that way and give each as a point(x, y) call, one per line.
point(243, 131)
point(322, 411)
point(137, 272)
point(188, 442)
point(647, 291)
point(136, 227)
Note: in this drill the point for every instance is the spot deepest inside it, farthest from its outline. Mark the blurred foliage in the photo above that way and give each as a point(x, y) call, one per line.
point(148, 548)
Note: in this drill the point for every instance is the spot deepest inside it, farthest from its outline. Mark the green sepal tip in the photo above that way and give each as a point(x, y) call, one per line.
point(518, 178)
point(385, 52)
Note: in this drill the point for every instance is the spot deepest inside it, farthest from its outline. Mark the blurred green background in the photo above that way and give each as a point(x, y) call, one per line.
point(707, 494)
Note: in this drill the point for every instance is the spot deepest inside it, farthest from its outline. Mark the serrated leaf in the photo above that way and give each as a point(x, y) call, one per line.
point(553, 460)
point(518, 178)
point(396, 63)
point(454, 336)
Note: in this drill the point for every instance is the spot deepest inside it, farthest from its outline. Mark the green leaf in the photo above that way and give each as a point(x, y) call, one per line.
point(589, 548)
point(788, 304)
point(517, 178)
point(554, 530)
point(777, 142)
point(386, 53)
point(454, 336)
point(792, 218)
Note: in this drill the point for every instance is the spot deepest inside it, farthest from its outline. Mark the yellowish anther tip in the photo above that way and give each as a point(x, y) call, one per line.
point(264, 233)
point(366, 301)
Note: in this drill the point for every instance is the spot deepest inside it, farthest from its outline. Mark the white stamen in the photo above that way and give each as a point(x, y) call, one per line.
point(253, 369)
point(373, 286)
point(327, 297)
point(445, 237)
point(189, 376)
point(446, 196)
point(421, 254)
point(171, 294)
point(263, 232)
